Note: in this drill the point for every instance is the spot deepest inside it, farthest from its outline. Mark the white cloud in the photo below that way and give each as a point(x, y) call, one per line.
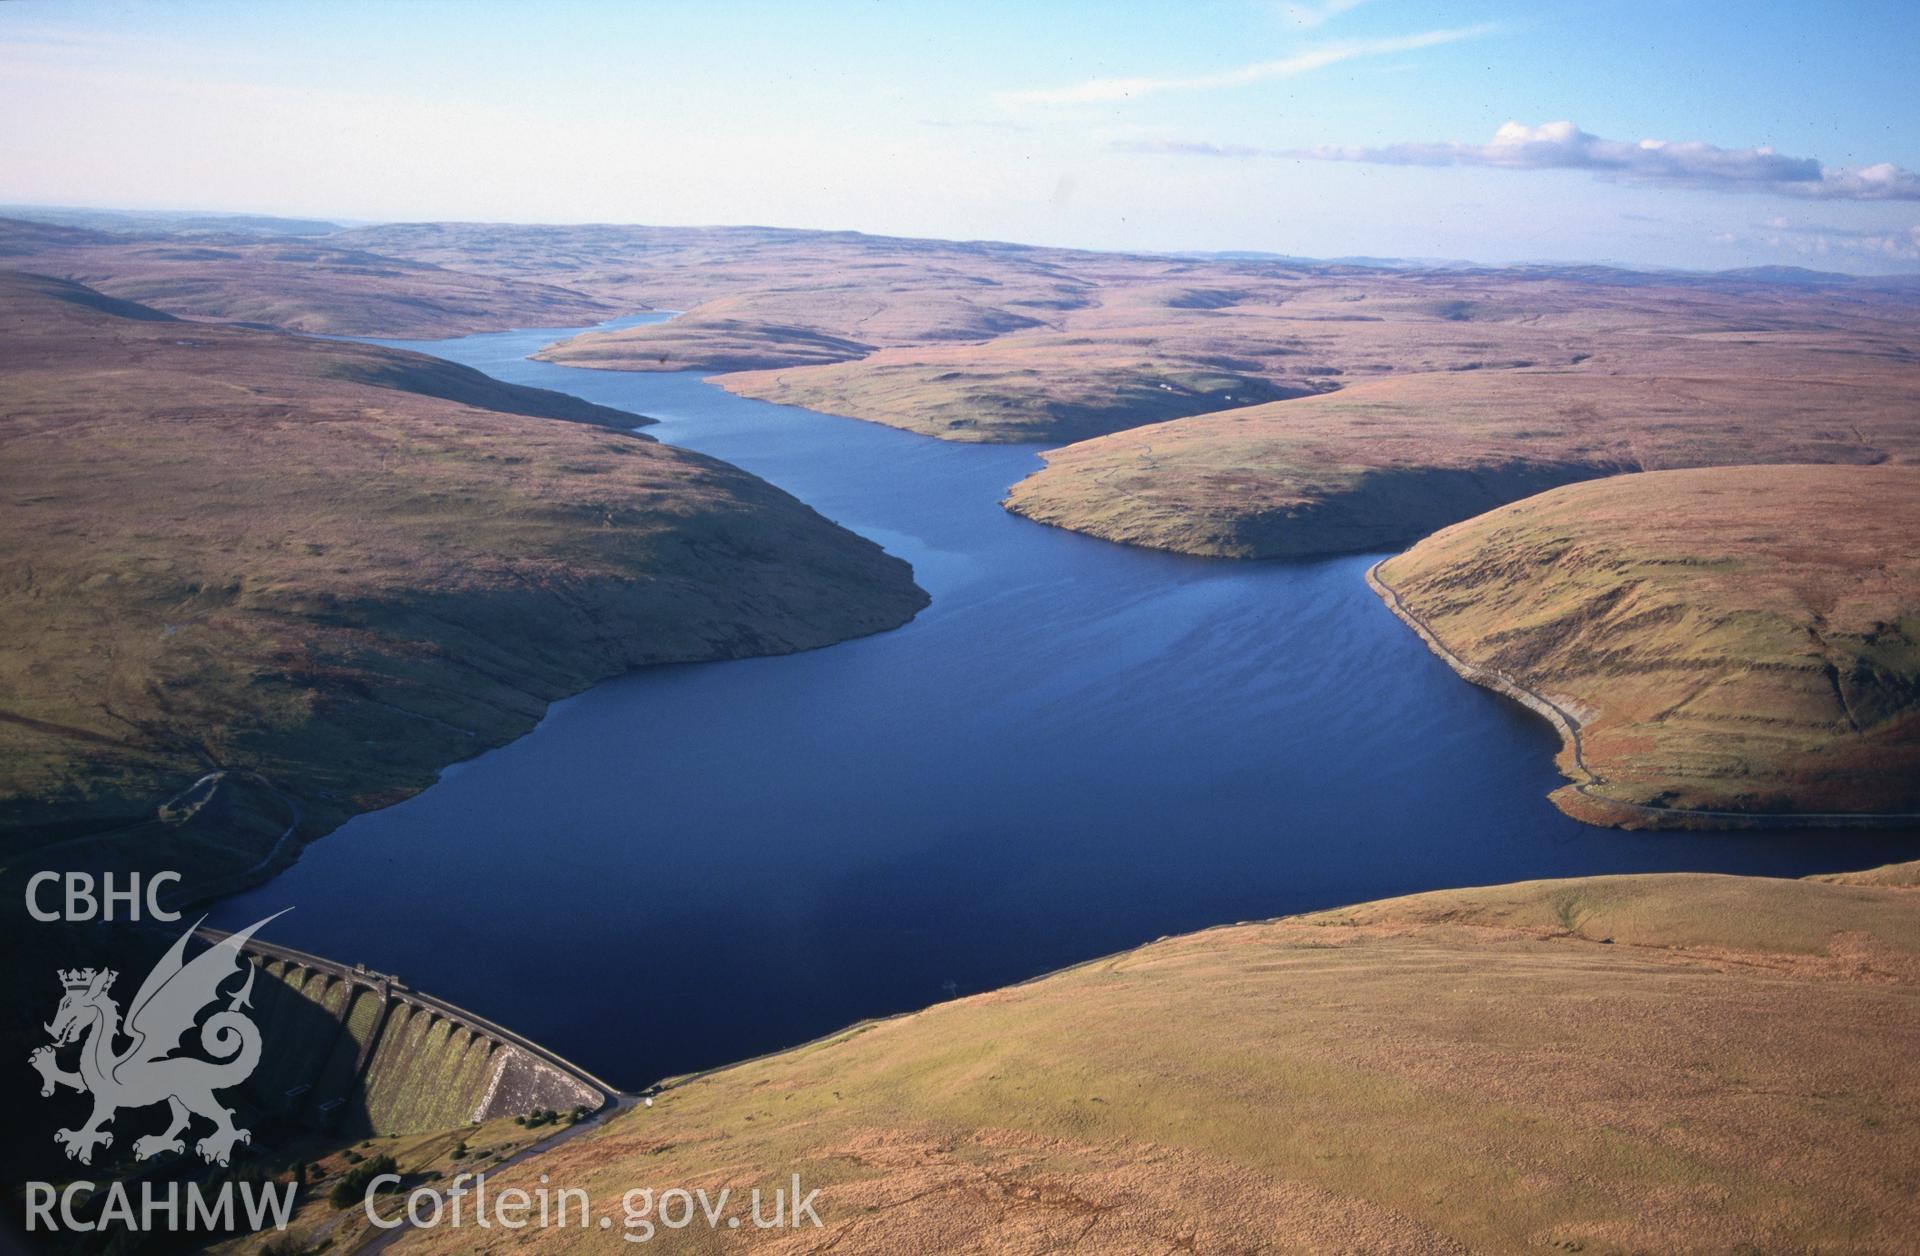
point(1564, 146)
point(1882, 181)
point(1107, 90)
point(1886, 244)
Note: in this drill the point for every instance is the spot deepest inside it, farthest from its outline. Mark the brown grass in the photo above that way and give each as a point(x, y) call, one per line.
point(1379, 464)
point(1740, 638)
point(337, 568)
point(303, 285)
point(1658, 1063)
point(1571, 372)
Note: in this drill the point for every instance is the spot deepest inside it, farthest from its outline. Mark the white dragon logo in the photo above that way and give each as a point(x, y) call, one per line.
point(146, 1071)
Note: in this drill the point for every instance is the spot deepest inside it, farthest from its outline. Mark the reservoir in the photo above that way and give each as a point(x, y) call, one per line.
point(1076, 748)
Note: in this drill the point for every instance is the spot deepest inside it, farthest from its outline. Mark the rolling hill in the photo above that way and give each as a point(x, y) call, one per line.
point(1737, 639)
point(256, 583)
point(1637, 1063)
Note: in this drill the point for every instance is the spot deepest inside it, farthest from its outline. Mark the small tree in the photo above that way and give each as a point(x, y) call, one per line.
point(350, 1189)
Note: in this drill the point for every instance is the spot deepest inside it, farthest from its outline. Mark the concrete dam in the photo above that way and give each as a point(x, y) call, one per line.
point(357, 1052)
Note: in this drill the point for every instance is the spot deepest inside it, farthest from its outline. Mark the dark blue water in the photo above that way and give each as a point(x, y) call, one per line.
point(1076, 748)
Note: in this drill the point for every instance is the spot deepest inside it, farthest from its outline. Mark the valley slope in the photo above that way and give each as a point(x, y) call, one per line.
point(306, 284)
point(1280, 409)
point(1382, 463)
point(309, 574)
point(1741, 639)
point(1249, 408)
point(1541, 374)
point(1640, 1063)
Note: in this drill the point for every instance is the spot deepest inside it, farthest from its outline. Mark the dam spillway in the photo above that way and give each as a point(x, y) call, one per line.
point(358, 1052)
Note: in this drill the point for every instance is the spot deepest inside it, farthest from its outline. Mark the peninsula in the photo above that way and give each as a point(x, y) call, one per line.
point(1738, 641)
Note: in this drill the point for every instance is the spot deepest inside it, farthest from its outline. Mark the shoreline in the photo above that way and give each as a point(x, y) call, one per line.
point(856, 1025)
point(1568, 727)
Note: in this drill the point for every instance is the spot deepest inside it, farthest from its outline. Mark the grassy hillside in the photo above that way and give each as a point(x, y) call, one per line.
point(876, 290)
point(309, 574)
point(710, 341)
point(1381, 463)
point(1513, 378)
point(1042, 389)
point(307, 285)
point(1741, 638)
point(1150, 340)
point(1649, 1063)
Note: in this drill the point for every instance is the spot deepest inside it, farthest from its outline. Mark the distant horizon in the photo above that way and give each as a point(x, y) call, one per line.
point(1703, 137)
point(21, 211)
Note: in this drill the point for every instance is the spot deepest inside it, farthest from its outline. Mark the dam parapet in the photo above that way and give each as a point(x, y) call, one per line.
point(358, 1052)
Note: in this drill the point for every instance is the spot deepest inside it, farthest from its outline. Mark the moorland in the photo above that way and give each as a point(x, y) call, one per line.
point(1729, 639)
point(1234, 407)
point(294, 284)
point(1641, 1063)
point(259, 582)
point(1279, 409)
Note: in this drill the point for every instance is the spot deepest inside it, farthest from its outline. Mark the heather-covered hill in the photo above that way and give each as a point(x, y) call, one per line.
point(1735, 639)
point(1381, 463)
point(309, 574)
point(304, 284)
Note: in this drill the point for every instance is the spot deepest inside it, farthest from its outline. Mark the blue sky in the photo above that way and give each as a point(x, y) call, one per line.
point(1496, 132)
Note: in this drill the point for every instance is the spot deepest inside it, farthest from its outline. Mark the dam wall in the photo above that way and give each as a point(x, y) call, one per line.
point(359, 1053)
